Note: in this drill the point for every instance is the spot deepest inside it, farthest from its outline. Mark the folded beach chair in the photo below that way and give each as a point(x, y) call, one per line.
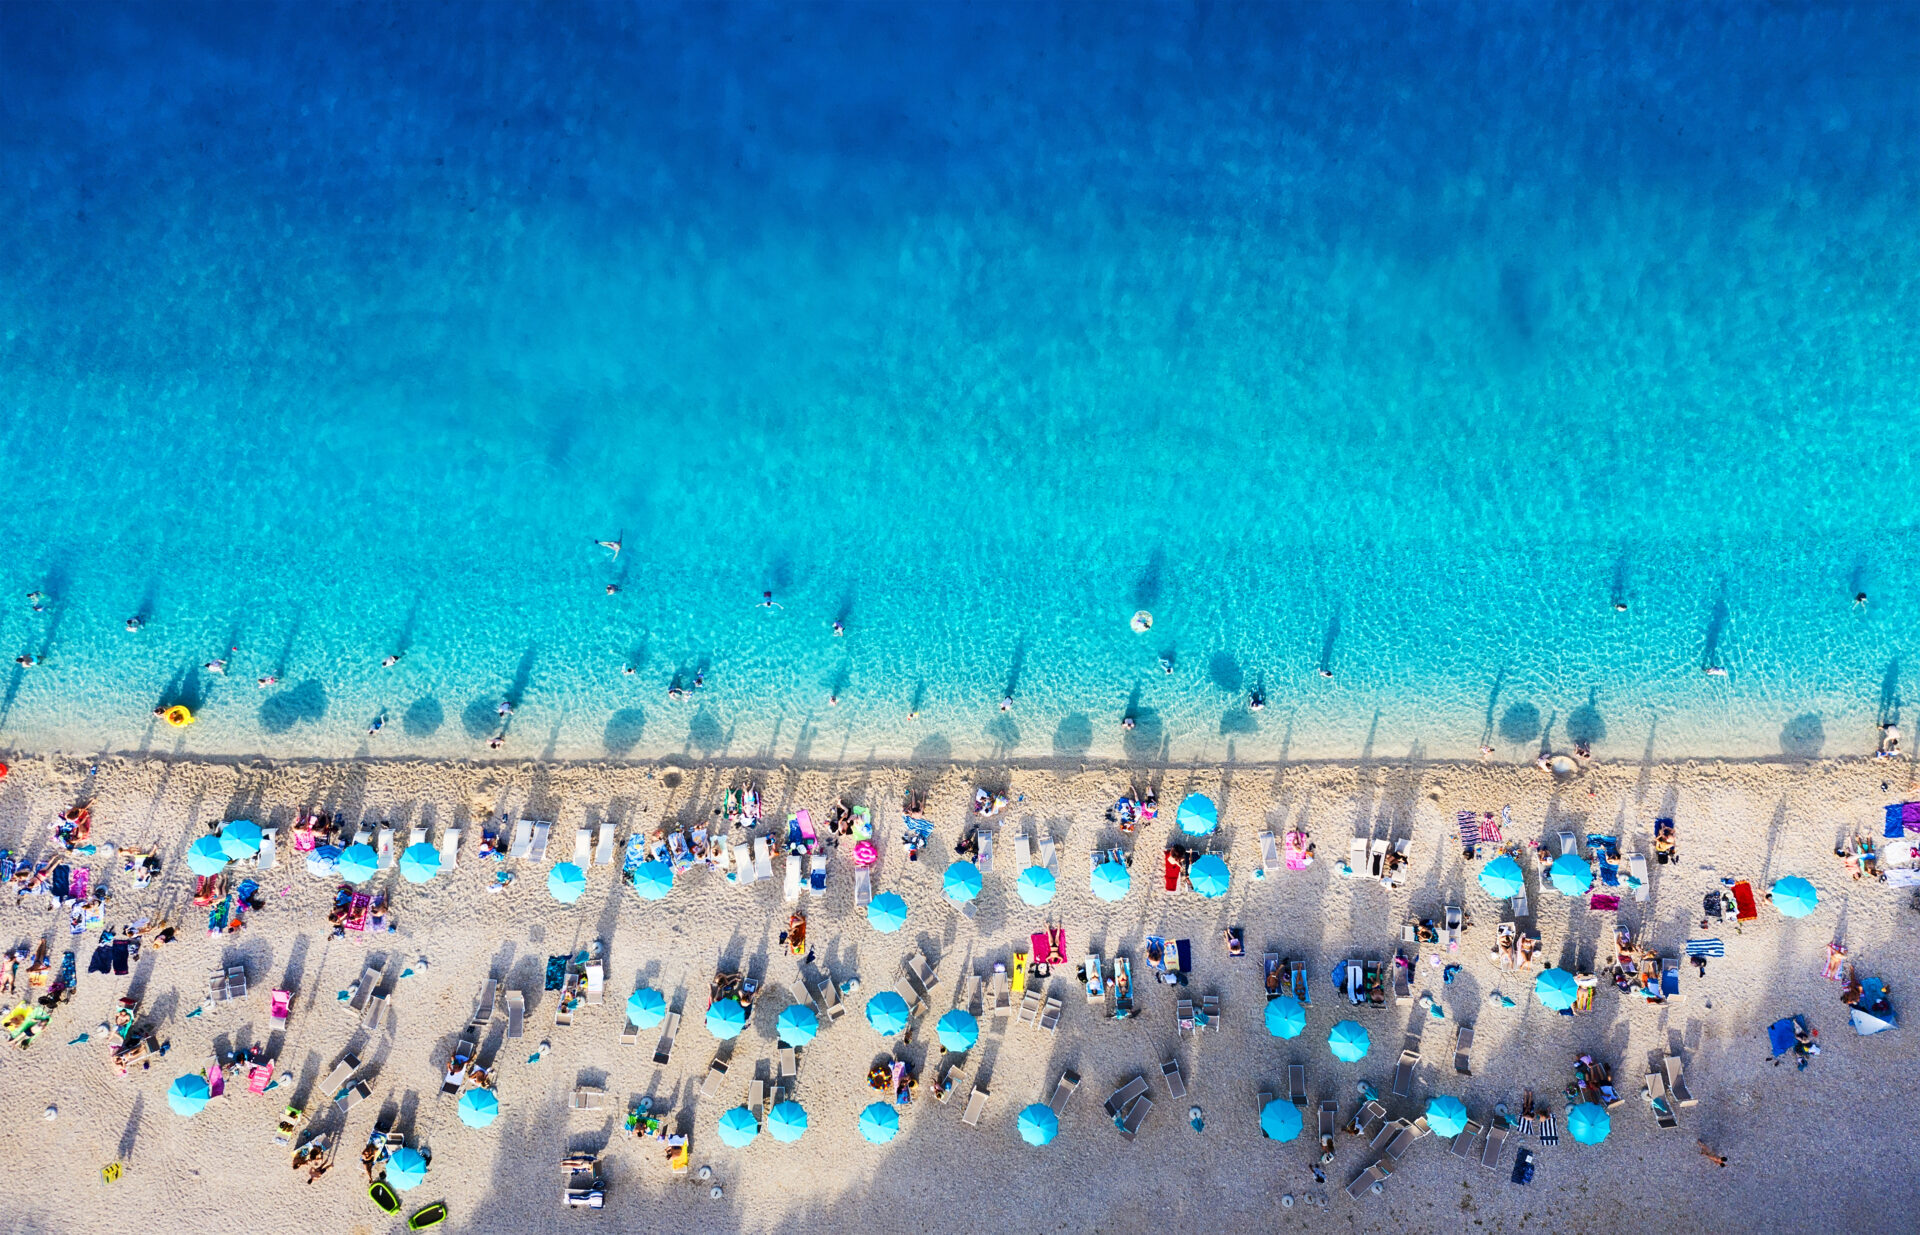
point(1675, 1077)
point(483, 1005)
point(1463, 1050)
point(268, 857)
point(1135, 1114)
point(1210, 1004)
point(1050, 1015)
point(516, 1014)
point(603, 852)
point(522, 838)
point(596, 983)
point(587, 1098)
point(792, 889)
point(1463, 1144)
point(364, 836)
point(1403, 1074)
point(1069, 1081)
point(1367, 1180)
point(1269, 855)
point(369, 982)
point(1297, 1085)
point(383, 846)
point(984, 837)
point(338, 1077)
point(352, 1096)
point(582, 847)
point(450, 847)
point(1357, 857)
point(1176, 1083)
point(1125, 1096)
point(762, 858)
point(417, 837)
point(669, 1030)
point(976, 1103)
point(376, 1013)
point(538, 853)
point(1496, 1141)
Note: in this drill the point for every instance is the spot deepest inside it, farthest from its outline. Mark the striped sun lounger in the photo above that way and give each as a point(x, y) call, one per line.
point(1706, 947)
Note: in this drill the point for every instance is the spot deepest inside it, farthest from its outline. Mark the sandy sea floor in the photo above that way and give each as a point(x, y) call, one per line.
point(1798, 1142)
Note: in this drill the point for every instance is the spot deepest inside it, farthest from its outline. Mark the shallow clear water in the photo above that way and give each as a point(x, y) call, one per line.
point(1391, 339)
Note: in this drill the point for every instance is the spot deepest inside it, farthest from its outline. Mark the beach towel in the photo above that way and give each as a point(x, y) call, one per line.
point(1609, 845)
point(1297, 859)
point(218, 915)
point(61, 874)
point(78, 882)
point(635, 855)
point(1910, 815)
point(1600, 900)
point(1549, 1132)
point(124, 951)
point(1609, 874)
point(1706, 947)
point(556, 972)
point(355, 919)
point(1467, 824)
point(102, 959)
point(1780, 1036)
point(1492, 832)
point(1896, 821)
point(1743, 901)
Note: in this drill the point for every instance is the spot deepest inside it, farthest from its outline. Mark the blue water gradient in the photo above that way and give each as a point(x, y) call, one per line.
point(1392, 340)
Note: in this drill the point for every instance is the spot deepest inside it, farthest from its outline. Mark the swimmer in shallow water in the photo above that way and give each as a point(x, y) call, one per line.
point(612, 545)
point(1859, 600)
point(1256, 701)
point(215, 666)
point(267, 681)
point(390, 661)
point(135, 623)
point(379, 723)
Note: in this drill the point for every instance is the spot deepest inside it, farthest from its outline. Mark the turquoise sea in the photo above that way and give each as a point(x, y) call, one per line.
point(1396, 340)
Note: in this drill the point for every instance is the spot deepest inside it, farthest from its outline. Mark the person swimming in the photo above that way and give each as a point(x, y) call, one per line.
point(379, 723)
point(839, 628)
point(1256, 701)
point(768, 602)
point(613, 545)
point(135, 623)
point(390, 660)
point(215, 666)
point(266, 681)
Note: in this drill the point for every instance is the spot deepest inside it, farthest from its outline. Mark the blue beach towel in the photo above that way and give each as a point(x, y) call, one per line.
point(1894, 827)
point(1780, 1036)
point(1706, 947)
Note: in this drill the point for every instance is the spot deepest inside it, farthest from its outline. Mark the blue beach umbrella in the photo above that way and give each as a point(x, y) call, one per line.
point(1285, 1017)
point(1197, 816)
point(207, 856)
point(1589, 1123)
point(188, 1094)
point(726, 1018)
point(1038, 1124)
point(358, 863)
point(419, 863)
point(241, 838)
point(787, 1121)
point(1280, 1120)
point(797, 1024)
point(324, 861)
point(737, 1128)
point(407, 1169)
point(1556, 989)
point(1447, 1115)
point(1502, 878)
point(887, 1013)
point(478, 1108)
point(1035, 885)
point(1349, 1042)
point(961, 883)
point(1209, 876)
point(566, 881)
point(1571, 875)
point(653, 880)
point(958, 1030)
point(879, 1123)
point(646, 1008)
point(1111, 881)
point(887, 913)
point(1795, 897)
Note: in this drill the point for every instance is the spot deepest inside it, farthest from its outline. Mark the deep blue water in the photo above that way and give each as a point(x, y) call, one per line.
point(1395, 340)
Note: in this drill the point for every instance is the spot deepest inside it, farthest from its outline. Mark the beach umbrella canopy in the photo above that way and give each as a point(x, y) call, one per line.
point(1111, 881)
point(737, 1128)
point(1349, 1042)
point(1447, 1115)
point(207, 856)
point(1035, 885)
point(241, 838)
point(358, 863)
point(566, 881)
point(324, 861)
point(887, 1013)
point(1557, 989)
point(1589, 1123)
point(961, 883)
point(887, 913)
point(1502, 878)
point(1285, 1017)
point(1038, 1124)
point(1209, 876)
point(1197, 816)
point(958, 1030)
point(407, 1169)
point(787, 1121)
point(1280, 1120)
point(797, 1024)
point(726, 1018)
point(1571, 875)
point(646, 1008)
point(879, 1123)
point(478, 1108)
point(188, 1094)
point(419, 863)
point(1795, 897)
point(653, 880)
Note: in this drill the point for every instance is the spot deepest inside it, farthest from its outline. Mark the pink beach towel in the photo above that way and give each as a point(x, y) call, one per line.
point(1601, 900)
point(77, 884)
point(1296, 851)
point(865, 854)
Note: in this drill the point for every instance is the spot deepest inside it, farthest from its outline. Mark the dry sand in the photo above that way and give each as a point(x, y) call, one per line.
point(1809, 1150)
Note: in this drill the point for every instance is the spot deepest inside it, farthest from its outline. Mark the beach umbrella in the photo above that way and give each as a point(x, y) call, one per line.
point(358, 863)
point(1285, 1017)
point(726, 1018)
point(1502, 878)
point(1197, 816)
point(1571, 875)
point(1111, 880)
point(887, 913)
point(1035, 885)
point(958, 1030)
point(737, 1127)
point(478, 1108)
point(241, 838)
point(188, 1094)
point(653, 880)
point(1557, 989)
point(1349, 1042)
point(887, 1013)
point(324, 861)
point(1588, 1123)
point(566, 881)
point(646, 1008)
point(1209, 876)
point(879, 1123)
point(1795, 897)
point(419, 863)
point(961, 883)
point(1447, 1116)
point(797, 1024)
point(1038, 1124)
point(787, 1121)
point(207, 856)
point(407, 1169)
point(1280, 1120)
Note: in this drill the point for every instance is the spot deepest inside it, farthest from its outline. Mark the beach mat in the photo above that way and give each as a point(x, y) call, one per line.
point(1780, 1036)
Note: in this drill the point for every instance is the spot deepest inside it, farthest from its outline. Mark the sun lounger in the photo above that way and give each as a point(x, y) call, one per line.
point(268, 856)
point(862, 888)
point(1377, 859)
point(792, 889)
point(1387, 1132)
point(352, 1096)
point(376, 1013)
point(756, 1099)
point(1069, 1081)
point(1269, 854)
point(630, 1034)
point(668, 1032)
point(516, 1014)
point(984, 837)
point(1135, 1114)
point(1462, 1146)
point(1029, 1008)
point(1002, 998)
point(1050, 1015)
point(596, 983)
point(464, 1049)
point(743, 871)
point(603, 852)
point(1675, 1077)
point(1183, 1016)
point(450, 847)
point(1520, 906)
point(1569, 845)
point(364, 836)
point(538, 853)
point(1357, 857)
point(1365, 1180)
point(1402, 984)
point(1403, 1074)
point(369, 982)
point(1210, 1004)
point(1367, 1120)
point(1048, 857)
point(522, 839)
point(716, 1076)
point(920, 973)
point(1125, 1095)
point(1401, 1142)
point(1176, 1084)
point(1328, 1115)
point(1463, 1050)
point(338, 1077)
point(1022, 851)
point(1260, 1101)
point(217, 986)
point(1496, 1141)
point(789, 1065)
point(826, 998)
point(483, 1005)
point(587, 1098)
point(383, 846)
point(1637, 869)
point(582, 847)
point(1661, 1103)
point(1297, 1085)
point(976, 1004)
point(976, 1103)
point(762, 858)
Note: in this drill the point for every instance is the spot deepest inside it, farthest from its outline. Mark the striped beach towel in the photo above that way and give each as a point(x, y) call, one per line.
point(1527, 1125)
point(1706, 947)
point(1468, 824)
point(1549, 1134)
point(1491, 831)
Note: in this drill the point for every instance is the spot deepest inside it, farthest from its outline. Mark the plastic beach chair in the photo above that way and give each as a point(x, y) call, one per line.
point(449, 847)
point(522, 838)
point(516, 1014)
point(538, 853)
point(281, 1004)
point(1269, 855)
point(268, 856)
point(582, 847)
point(1069, 1081)
point(603, 853)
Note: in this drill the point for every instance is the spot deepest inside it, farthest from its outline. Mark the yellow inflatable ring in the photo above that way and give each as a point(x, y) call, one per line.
point(179, 717)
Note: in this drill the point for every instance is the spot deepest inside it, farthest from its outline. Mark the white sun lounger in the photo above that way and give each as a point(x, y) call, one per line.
point(1568, 845)
point(450, 847)
point(762, 859)
point(1050, 1015)
point(582, 847)
point(596, 983)
point(792, 888)
point(1357, 857)
point(383, 845)
point(1048, 858)
point(376, 1012)
point(826, 998)
point(363, 837)
point(630, 1034)
point(1270, 854)
point(1520, 906)
point(338, 1077)
point(975, 1005)
point(603, 852)
point(1675, 1076)
point(516, 1014)
point(1022, 851)
point(1029, 1007)
point(587, 1098)
point(669, 1031)
point(743, 863)
point(1637, 867)
point(369, 982)
point(418, 836)
point(483, 1008)
point(522, 838)
point(976, 1103)
point(352, 1096)
point(716, 1077)
point(984, 835)
point(757, 1099)
point(862, 888)
point(269, 851)
point(1069, 1081)
point(539, 851)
